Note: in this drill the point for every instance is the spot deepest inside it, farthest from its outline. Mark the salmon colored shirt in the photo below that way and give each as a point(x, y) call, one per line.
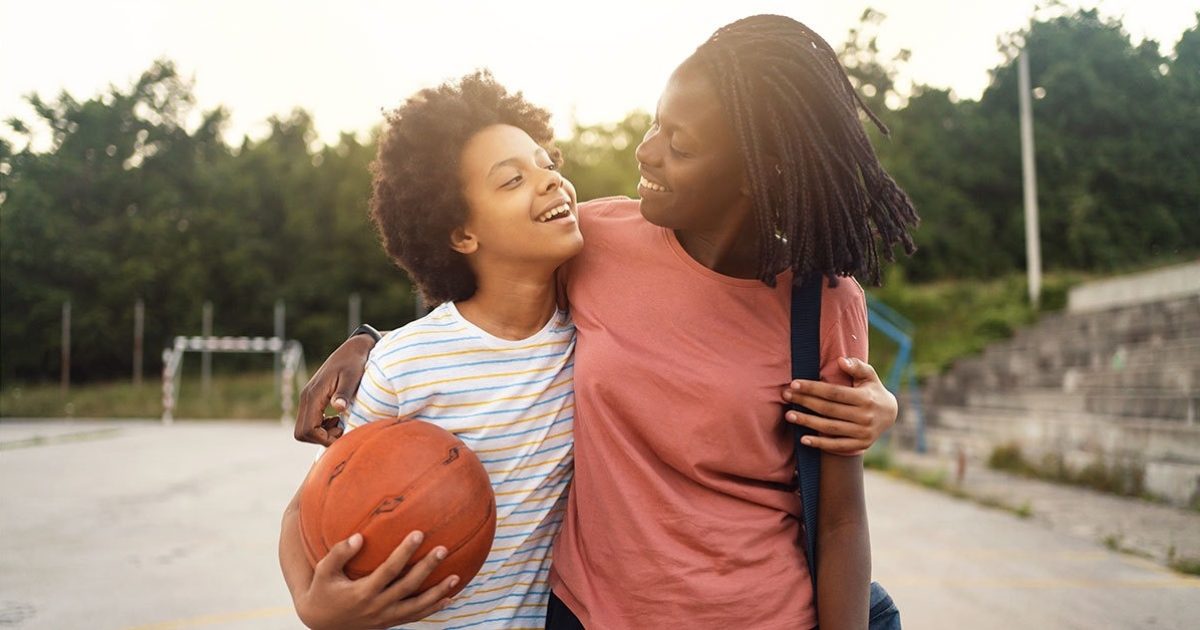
point(683, 511)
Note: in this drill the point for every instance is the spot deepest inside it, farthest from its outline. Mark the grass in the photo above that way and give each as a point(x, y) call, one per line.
point(957, 318)
point(1185, 565)
point(246, 395)
point(1119, 478)
point(880, 458)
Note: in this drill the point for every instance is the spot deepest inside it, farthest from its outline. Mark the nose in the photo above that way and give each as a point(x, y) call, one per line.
point(553, 180)
point(647, 151)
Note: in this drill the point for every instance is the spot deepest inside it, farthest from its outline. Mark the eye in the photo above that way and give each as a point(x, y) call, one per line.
point(513, 182)
point(678, 153)
point(551, 166)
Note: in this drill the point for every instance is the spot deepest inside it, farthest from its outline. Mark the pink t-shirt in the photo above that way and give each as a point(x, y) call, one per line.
point(683, 509)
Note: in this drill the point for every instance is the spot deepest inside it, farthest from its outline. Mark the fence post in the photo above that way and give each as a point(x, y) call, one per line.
point(280, 317)
point(354, 317)
point(66, 347)
point(139, 331)
point(206, 356)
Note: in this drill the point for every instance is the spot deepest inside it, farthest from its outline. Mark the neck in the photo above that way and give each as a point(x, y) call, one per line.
point(730, 249)
point(510, 306)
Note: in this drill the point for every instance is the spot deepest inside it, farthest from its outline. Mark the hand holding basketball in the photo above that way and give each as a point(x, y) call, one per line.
point(378, 600)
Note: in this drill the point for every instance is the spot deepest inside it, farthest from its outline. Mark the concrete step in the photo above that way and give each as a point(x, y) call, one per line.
point(1145, 438)
point(1123, 402)
point(1026, 399)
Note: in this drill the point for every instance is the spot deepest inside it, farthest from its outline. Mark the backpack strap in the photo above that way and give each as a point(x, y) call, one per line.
point(806, 364)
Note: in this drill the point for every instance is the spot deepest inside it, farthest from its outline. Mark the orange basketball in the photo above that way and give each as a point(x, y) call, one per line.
point(389, 478)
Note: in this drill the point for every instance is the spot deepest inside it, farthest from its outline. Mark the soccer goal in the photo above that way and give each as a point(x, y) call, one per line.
point(291, 359)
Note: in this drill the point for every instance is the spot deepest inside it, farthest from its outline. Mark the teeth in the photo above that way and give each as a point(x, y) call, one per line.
point(645, 183)
point(554, 212)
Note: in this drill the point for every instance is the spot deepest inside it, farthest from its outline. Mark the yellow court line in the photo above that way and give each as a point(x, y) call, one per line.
point(214, 619)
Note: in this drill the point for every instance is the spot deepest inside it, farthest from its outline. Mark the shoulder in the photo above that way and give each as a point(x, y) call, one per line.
point(607, 210)
point(848, 294)
point(607, 206)
point(440, 323)
point(844, 309)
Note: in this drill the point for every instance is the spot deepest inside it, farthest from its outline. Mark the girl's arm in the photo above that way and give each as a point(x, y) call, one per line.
point(843, 545)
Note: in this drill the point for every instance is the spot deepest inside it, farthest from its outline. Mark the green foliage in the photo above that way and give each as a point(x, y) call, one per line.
point(1115, 136)
point(599, 158)
point(956, 318)
point(1125, 478)
point(129, 204)
point(131, 201)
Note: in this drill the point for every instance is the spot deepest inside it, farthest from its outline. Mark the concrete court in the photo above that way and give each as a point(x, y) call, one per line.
point(133, 525)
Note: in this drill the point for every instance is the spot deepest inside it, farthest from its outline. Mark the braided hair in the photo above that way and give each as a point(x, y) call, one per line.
point(822, 202)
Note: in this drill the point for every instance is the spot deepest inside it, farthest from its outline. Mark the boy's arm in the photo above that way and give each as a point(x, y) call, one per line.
point(843, 545)
point(326, 598)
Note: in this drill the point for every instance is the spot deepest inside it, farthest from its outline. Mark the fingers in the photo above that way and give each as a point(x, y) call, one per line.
point(837, 446)
point(828, 427)
point(393, 566)
point(332, 425)
point(417, 574)
point(334, 562)
point(858, 369)
point(423, 605)
point(837, 411)
point(310, 414)
point(828, 391)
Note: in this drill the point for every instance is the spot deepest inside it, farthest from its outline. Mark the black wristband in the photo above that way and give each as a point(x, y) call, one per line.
point(366, 329)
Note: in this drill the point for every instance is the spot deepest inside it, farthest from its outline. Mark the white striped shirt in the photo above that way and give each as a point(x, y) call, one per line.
point(512, 402)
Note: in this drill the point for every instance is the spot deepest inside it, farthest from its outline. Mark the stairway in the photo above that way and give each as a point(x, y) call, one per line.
point(1115, 386)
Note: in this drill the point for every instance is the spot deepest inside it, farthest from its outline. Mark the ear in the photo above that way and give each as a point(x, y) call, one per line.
point(463, 241)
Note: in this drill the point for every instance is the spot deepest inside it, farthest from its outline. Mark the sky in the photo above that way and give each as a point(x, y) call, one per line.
point(349, 60)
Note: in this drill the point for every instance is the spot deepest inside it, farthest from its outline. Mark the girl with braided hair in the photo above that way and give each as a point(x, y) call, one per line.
point(756, 174)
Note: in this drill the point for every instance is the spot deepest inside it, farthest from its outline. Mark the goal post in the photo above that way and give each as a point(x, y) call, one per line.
point(289, 350)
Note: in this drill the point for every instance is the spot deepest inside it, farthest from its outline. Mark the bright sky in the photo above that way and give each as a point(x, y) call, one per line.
point(591, 61)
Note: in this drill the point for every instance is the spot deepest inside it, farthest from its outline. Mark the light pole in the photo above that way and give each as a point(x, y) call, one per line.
point(1033, 246)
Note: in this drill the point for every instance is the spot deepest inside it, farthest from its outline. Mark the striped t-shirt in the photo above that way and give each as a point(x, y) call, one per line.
point(511, 402)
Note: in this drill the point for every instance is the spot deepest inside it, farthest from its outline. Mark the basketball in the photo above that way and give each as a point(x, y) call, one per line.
point(389, 478)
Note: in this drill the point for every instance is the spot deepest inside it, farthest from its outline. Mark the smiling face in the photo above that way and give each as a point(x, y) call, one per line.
point(521, 209)
point(692, 175)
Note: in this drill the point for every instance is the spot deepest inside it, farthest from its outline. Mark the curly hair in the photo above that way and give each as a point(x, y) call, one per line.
point(417, 199)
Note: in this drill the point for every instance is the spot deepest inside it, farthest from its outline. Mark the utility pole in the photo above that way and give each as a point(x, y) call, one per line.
point(1033, 246)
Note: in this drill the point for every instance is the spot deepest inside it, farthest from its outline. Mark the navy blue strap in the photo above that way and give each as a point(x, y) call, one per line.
point(806, 364)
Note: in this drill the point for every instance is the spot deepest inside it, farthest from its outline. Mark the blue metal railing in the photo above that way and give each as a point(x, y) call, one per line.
point(901, 330)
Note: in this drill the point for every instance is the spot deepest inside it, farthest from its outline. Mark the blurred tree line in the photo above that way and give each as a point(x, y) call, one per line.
point(131, 201)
